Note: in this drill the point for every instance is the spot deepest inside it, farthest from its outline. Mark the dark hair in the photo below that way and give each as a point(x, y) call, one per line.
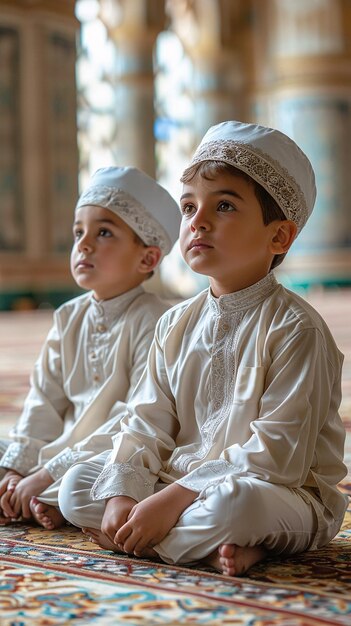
point(271, 211)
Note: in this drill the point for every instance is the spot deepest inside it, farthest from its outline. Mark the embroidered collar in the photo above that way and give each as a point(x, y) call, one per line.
point(245, 298)
point(110, 309)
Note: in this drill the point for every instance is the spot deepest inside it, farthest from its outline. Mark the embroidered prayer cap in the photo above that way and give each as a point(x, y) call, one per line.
point(270, 157)
point(139, 201)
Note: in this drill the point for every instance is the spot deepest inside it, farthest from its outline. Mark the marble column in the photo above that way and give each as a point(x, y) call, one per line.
point(303, 87)
point(133, 26)
point(217, 36)
point(39, 156)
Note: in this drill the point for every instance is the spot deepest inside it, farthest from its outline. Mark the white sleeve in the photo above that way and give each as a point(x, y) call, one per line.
point(44, 409)
point(101, 439)
point(301, 396)
point(95, 443)
point(141, 352)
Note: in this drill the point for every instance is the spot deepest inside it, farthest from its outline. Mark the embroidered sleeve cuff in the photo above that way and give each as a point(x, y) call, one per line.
point(207, 475)
point(123, 479)
point(59, 465)
point(20, 457)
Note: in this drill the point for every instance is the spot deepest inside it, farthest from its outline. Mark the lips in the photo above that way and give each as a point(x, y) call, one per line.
point(83, 265)
point(199, 244)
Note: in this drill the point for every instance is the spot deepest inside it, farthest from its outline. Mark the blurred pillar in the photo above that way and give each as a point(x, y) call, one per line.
point(133, 26)
point(217, 36)
point(303, 87)
point(38, 156)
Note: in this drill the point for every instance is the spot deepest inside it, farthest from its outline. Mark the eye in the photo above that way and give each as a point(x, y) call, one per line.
point(225, 207)
point(77, 234)
point(104, 232)
point(188, 209)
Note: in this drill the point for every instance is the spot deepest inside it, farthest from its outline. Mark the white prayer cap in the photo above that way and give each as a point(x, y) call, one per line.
point(139, 201)
point(270, 157)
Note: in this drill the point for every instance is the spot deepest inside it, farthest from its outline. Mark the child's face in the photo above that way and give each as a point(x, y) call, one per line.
point(222, 233)
point(106, 257)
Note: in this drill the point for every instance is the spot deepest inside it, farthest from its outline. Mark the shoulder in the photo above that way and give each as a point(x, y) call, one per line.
point(147, 306)
point(292, 316)
point(72, 307)
point(142, 315)
point(295, 310)
point(182, 312)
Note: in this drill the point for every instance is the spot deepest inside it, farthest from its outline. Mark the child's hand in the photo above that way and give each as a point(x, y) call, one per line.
point(9, 481)
point(151, 519)
point(32, 485)
point(115, 515)
point(7, 487)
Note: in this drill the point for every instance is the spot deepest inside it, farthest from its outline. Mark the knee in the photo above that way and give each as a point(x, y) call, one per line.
point(237, 506)
point(72, 494)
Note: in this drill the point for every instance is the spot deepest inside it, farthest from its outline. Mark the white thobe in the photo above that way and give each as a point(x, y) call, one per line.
point(240, 393)
point(92, 359)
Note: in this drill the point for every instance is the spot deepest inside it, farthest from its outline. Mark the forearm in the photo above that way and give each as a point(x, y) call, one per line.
point(176, 497)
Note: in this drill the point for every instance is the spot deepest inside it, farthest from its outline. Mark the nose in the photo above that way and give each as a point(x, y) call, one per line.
point(85, 244)
point(200, 220)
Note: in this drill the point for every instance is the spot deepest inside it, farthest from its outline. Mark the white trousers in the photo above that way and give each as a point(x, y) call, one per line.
point(243, 511)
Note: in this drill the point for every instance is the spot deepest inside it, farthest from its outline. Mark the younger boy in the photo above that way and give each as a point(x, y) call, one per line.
point(96, 351)
point(232, 445)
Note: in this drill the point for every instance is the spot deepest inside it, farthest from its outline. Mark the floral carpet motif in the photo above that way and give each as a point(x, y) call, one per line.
point(60, 578)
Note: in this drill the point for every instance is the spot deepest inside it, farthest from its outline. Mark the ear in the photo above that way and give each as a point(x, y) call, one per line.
point(284, 233)
point(150, 258)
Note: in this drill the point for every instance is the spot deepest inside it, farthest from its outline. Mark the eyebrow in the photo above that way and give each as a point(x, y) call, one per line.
point(227, 192)
point(102, 221)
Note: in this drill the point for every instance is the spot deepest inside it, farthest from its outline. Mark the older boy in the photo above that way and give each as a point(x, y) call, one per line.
point(96, 351)
point(232, 445)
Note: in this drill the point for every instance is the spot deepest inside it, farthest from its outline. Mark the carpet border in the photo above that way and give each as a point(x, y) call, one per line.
point(83, 572)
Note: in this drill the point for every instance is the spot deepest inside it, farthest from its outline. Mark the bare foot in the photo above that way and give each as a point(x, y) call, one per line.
point(5, 521)
point(96, 536)
point(148, 553)
point(46, 515)
point(232, 560)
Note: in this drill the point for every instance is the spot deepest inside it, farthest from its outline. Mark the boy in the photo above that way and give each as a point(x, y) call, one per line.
point(96, 351)
point(232, 446)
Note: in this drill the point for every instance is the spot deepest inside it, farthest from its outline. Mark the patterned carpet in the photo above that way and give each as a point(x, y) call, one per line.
point(57, 578)
point(50, 578)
